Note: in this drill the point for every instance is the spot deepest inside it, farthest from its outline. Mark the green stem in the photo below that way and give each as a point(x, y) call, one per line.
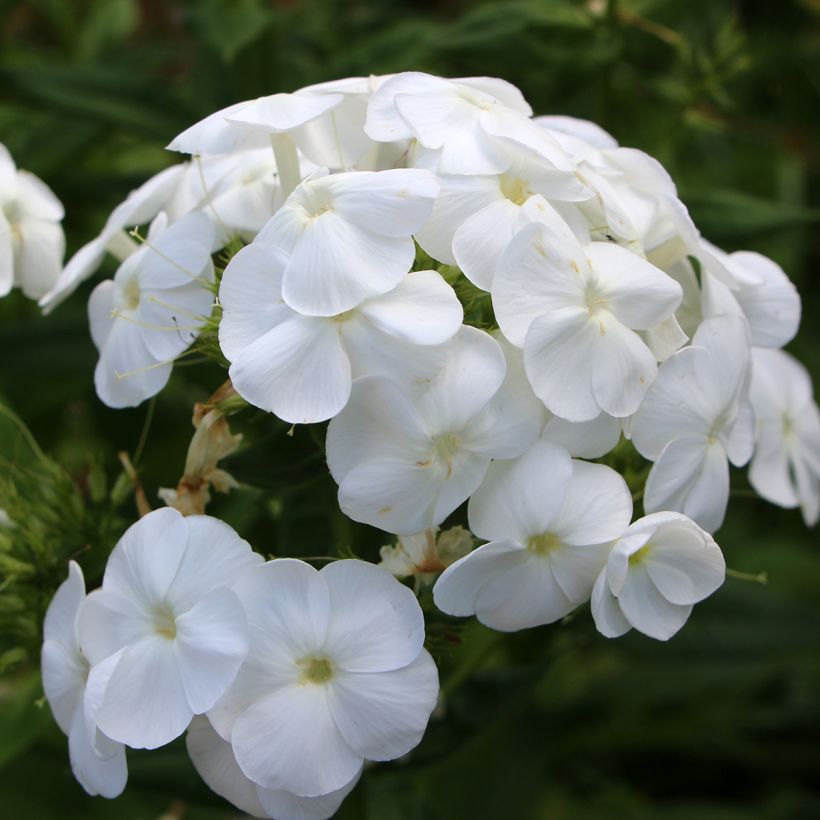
point(753, 577)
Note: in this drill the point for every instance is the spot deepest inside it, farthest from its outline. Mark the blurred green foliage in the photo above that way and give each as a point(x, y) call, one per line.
point(555, 723)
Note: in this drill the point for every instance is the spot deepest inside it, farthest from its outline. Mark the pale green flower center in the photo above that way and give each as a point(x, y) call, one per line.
point(544, 544)
point(131, 294)
point(640, 555)
point(165, 624)
point(515, 189)
point(316, 670)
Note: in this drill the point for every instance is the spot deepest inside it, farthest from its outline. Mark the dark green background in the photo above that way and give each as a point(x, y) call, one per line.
point(723, 723)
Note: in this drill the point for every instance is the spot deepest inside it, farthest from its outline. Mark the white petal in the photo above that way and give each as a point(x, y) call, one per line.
point(211, 643)
point(769, 472)
point(623, 369)
point(690, 476)
point(606, 612)
point(39, 256)
point(336, 265)
point(281, 112)
point(127, 373)
point(520, 498)
point(638, 294)
point(481, 240)
point(105, 776)
point(392, 203)
point(383, 715)
point(100, 309)
point(684, 565)
point(37, 198)
point(586, 439)
point(559, 349)
point(251, 297)
point(772, 304)
point(215, 763)
point(146, 559)
point(299, 370)
point(145, 704)
point(290, 741)
point(60, 621)
point(63, 672)
point(522, 596)
point(680, 402)
point(535, 276)
point(647, 610)
point(473, 371)
point(379, 421)
point(375, 624)
point(575, 568)
point(459, 198)
point(458, 586)
point(215, 556)
point(109, 622)
point(422, 309)
point(290, 600)
point(597, 506)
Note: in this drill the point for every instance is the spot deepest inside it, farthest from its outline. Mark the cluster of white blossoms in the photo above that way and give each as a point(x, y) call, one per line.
point(286, 678)
point(480, 303)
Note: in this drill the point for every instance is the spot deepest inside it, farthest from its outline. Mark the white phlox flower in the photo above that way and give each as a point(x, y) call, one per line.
point(152, 310)
point(73, 688)
point(165, 613)
point(695, 420)
point(461, 126)
point(476, 217)
point(661, 566)
point(349, 236)
point(405, 457)
point(216, 764)
point(785, 468)
point(761, 293)
point(576, 311)
point(301, 367)
point(32, 242)
point(425, 554)
point(336, 674)
point(549, 521)
point(140, 207)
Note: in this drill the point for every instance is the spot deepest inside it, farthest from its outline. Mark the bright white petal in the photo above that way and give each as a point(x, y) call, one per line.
point(63, 671)
point(105, 776)
point(422, 309)
point(586, 439)
point(521, 498)
point(375, 624)
point(299, 370)
point(458, 586)
point(481, 240)
point(39, 256)
point(647, 610)
point(290, 741)
point(606, 612)
point(383, 715)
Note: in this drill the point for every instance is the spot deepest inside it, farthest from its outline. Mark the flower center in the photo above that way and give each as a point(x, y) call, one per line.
point(639, 556)
point(131, 294)
point(515, 189)
point(544, 544)
point(343, 317)
point(165, 624)
point(445, 448)
point(316, 670)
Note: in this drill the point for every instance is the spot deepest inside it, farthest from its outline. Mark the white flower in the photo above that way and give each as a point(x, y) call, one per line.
point(301, 367)
point(348, 236)
point(584, 439)
point(141, 206)
point(695, 420)
point(762, 293)
point(426, 553)
point(72, 689)
point(476, 217)
point(152, 310)
point(325, 122)
point(404, 459)
point(336, 674)
point(32, 242)
point(463, 126)
point(575, 312)
point(549, 520)
point(785, 468)
point(214, 759)
point(178, 633)
point(655, 573)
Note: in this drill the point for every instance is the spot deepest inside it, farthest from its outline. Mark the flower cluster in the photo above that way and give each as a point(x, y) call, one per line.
point(482, 304)
point(295, 676)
